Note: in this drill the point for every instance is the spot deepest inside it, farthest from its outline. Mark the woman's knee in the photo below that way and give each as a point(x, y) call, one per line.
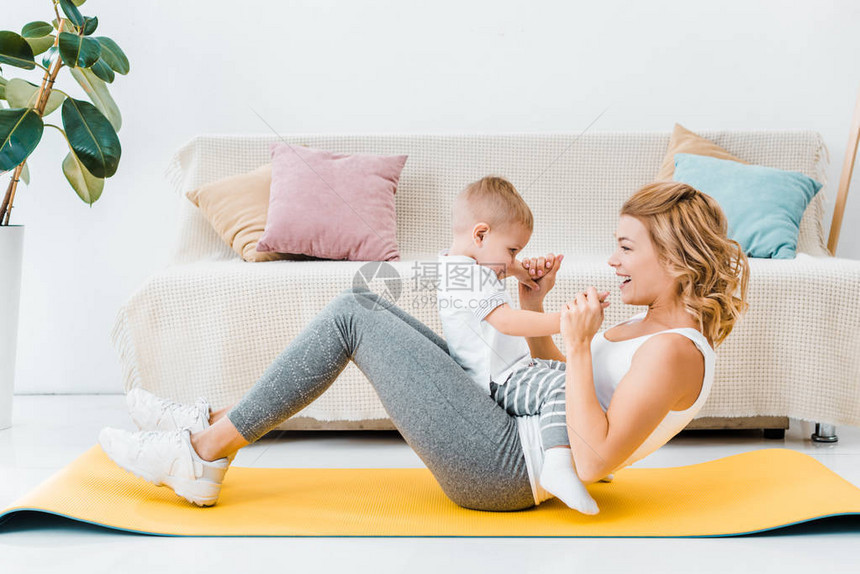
point(349, 309)
point(352, 292)
point(361, 298)
point(348, 298)
point(355, 289)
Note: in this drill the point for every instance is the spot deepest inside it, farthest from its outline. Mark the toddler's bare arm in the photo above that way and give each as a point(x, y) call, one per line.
point(521, 323)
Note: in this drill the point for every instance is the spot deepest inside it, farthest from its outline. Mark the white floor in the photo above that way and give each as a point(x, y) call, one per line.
point(50, 431)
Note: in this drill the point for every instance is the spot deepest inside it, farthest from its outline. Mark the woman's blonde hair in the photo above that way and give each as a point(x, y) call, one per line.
point(689, 231)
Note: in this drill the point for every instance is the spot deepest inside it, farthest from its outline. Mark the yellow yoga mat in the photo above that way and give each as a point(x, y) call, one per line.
point(739, 494)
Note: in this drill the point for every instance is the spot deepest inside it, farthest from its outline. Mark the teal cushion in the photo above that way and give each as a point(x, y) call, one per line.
point(763, 205)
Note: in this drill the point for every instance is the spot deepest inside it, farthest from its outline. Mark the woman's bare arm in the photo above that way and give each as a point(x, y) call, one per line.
point(662, 372)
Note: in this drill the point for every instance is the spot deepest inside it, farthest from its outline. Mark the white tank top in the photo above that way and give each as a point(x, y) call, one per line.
point(610, 362)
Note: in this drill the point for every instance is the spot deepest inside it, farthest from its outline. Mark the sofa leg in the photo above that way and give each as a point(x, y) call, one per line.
point(778, 434)
point(824, 433)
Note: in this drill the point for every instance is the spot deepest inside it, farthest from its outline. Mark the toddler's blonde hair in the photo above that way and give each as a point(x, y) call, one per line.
point(491, 199)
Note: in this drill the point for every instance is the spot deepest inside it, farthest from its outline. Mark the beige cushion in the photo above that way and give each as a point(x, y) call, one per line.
point(685, 141)
point(237, 206)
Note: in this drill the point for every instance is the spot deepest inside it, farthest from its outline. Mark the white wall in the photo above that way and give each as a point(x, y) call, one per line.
point(389, 66)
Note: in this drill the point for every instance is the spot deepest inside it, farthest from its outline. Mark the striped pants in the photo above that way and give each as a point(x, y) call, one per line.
point(537, 390)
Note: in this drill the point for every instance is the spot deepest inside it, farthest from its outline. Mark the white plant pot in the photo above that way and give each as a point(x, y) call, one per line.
point(11, 252)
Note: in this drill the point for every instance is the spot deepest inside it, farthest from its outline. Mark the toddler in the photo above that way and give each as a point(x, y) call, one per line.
point(486, 335)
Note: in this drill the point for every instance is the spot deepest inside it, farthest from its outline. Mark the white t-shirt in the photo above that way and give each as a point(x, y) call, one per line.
point(466, 294)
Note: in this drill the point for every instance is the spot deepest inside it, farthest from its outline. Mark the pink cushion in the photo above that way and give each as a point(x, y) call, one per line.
point(332, 205)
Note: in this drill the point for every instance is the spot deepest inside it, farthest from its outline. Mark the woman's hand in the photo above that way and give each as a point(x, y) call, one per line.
point(582, 318)
point(541, 270)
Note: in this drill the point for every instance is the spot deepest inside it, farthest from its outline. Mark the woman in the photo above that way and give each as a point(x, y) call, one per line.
point(675, 258)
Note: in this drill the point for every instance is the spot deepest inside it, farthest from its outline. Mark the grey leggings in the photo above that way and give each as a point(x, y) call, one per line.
point(468, 442)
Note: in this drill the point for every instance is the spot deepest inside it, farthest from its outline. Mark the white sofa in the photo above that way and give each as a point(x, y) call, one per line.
point(210, 323)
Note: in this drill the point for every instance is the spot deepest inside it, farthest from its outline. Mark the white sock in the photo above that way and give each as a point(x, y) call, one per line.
point(558, 476)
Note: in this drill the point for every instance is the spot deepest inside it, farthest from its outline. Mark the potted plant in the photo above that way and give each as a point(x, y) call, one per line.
point(89, 127)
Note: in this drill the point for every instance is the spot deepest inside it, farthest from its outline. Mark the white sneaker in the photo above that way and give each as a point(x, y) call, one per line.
point(166, 458)
point(150, 412)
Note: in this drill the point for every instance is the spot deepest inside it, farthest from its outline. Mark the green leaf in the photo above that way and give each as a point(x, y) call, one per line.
point(113, 55)
point(39, 45)
point(3, 82)
point(78, 2)
point(92, 137)
point(22, 94)
point(90, 25)
point(78, 51)
point(103, 71)
point(70, 10)
point(37, 29)
point(99, 95)
point(25, 174)
point(86, 185)
point(18, 93)
point(67, 27)
point(20, 132)
point(48, 56)
point(15, 51)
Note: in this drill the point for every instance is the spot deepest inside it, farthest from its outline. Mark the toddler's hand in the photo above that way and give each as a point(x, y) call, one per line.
point(522, 275)
point(537, 267)
point(532, 299)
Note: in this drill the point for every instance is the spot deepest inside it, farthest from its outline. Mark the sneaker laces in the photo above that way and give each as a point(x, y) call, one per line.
point(146, 438)
point(203, 408)
point(193, 411)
